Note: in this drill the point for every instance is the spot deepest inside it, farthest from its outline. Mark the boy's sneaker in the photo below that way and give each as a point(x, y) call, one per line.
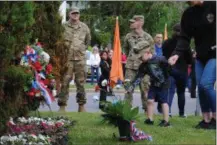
point(183, 116)
point(212, 124)
point(149, 122)
point(203, 125)
point(164, 123)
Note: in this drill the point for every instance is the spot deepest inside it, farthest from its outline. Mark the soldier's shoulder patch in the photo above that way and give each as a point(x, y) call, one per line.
point(129, 35)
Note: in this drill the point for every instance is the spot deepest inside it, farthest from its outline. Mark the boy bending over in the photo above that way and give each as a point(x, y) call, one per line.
point(158, 69)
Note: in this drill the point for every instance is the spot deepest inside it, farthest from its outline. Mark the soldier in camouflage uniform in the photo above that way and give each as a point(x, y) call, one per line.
point(77, 38)
point(135, 44)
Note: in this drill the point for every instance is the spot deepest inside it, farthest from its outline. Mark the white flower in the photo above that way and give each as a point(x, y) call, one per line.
point(13, 138)
point(45, 57)
point(24, 141)
point(5, 138)
point(41, 137)
point(20, 136)
point(33, 136)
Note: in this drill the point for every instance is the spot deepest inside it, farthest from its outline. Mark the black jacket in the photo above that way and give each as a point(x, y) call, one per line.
point(199, 22)
point(105, 71)
point(169, 46)
point(158, 69)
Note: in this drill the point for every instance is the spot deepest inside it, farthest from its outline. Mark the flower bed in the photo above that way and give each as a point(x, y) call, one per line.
point(37, 131)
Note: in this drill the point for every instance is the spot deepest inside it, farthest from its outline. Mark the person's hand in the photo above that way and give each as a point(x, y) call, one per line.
point(104, 82)
point(172, 60)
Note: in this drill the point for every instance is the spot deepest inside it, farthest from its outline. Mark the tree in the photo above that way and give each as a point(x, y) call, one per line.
point(100, 16)
point(16, 20)
point(48, 29)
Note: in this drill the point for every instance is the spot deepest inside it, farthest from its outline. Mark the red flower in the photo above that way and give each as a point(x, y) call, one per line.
point(49, 69)
point(32, 92)
point(46, 82)
point(59, 124)
point(37, 66)
point(39, 44)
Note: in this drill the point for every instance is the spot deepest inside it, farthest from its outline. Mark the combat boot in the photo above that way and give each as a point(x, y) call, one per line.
point(62, 109)
point(81, 108)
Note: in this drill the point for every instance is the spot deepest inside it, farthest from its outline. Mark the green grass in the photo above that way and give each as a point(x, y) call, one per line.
point(90, 131)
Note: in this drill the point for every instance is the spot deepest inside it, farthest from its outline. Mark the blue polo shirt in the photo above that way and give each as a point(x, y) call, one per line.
point(158, 50)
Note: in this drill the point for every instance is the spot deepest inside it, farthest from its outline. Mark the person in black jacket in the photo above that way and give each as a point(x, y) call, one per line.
point(179, 74)
point(158, 69)
point(105, 66)
point(199, 22)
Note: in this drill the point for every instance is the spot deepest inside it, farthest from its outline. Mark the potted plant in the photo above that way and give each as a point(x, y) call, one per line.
point(120, 114)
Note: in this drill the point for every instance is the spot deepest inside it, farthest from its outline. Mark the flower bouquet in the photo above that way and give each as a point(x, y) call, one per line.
point(42, 86)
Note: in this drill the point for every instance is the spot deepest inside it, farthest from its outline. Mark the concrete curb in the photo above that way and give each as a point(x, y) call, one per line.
point(115, 90)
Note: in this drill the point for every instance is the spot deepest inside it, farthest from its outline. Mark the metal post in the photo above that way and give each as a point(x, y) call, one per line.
point(198, 110)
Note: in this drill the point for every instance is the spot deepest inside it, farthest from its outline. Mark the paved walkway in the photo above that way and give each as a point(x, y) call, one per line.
point(92, 106)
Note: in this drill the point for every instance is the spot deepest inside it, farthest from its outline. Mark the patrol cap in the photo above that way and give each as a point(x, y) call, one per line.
point(138, 17)
point(132, 20)
point(75, 10)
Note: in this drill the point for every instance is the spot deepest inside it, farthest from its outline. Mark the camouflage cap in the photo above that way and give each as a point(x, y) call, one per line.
point(75, 10)
point(138, 17)
point(132, 20)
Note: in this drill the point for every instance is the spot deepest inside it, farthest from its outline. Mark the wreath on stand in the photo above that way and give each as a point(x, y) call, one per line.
point(42, 86)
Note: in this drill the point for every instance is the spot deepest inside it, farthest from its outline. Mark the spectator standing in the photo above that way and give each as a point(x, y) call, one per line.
point(123, 60)
point(94, 62)
point(179, 73)
point(104, 78)
point(158, 44)
point(199, 22)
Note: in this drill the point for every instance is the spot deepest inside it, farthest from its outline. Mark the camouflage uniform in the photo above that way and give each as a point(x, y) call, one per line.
point(77, 38)
point(134, 46)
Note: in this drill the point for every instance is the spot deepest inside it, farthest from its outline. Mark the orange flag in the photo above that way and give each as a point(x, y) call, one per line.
point(116, 68)
point(165, 32)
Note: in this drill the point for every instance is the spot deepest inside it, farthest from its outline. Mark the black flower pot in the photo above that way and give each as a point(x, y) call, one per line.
point(124, 129)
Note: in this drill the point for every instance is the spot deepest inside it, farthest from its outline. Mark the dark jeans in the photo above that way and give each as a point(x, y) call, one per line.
point(93, 69)
point(178, 81)
point(192, 81)
point(206, 77)
point(123, 67)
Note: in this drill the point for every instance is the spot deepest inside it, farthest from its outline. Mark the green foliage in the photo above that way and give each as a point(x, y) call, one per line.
point(16, 19)
point(13, 102)
point(100, 17)
point(120, 110)
point(48, 29)
point(17, 79)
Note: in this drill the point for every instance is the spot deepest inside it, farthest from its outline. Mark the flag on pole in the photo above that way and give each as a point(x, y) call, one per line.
point(165, 32)
point(116, 68)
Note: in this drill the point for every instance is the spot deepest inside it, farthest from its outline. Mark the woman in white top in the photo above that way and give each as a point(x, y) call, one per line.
point(94, 62)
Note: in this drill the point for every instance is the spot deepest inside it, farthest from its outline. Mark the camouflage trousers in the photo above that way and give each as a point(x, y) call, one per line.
point(76, 67)
point(144, 86)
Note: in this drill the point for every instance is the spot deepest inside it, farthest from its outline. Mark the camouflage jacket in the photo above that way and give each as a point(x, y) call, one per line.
point(77, 38)
point(134, 46)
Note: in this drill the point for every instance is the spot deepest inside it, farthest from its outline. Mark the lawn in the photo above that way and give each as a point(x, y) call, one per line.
point(90, 131)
